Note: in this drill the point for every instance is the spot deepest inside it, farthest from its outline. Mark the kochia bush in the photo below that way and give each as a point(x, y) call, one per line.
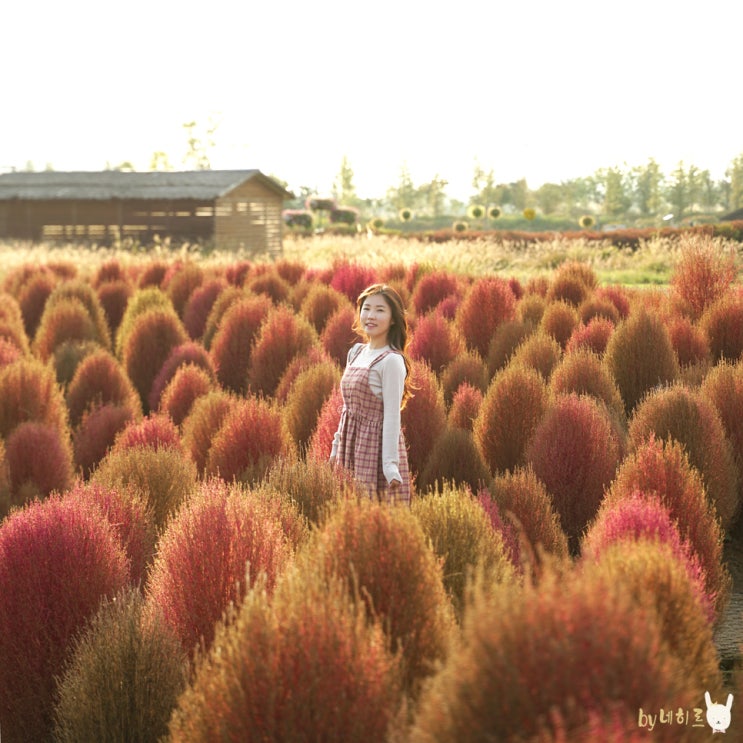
point(187, 353)
point(95, 434)
point(203, 421)
point(487, 303)
point(435, 341)
point(188, 384)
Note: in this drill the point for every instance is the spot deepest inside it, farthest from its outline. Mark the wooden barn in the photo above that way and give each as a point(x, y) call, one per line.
point(229, 209)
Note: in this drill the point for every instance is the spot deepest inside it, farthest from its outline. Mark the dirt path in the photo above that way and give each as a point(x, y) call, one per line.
point(729, 634)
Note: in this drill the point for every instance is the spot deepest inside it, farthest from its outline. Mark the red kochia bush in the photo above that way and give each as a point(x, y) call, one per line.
point(39, 458)
point(568, 648)
point(96, 433)
point(251, 436)
point(435, 341)
point(220, 540)
point(156, 431)
point(231, 347)
point(188, 384)
point(688, 341)
point(114, 296)
point(662, 469)
point(154, 335)
point(304, 666)
point(575, 451)
point(320, 303)
point(488, 303)
point(432, 288)
point(153, 273)
point(618, 296)
point(321, 442)
point(299, 364)
point(282, 337)
point(465, 406)
point(352, 278)
point(691, 419)
point(180, 283)
point(187, 353)
point(511, 409)
point(32, 298)
point(131, 519)
point(722, 323)
point(100, 380)
point(58, 559)
point(424, 416)
point(644, 517)
point(199, 305)
point(594, 335)
point(227, 297)
point(338, 335)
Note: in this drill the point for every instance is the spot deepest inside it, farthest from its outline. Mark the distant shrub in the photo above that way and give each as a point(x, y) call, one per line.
point(568, 288)
point(83, 292)
point(251, 436)
point(508, 336)
point(575, 451)
point(321, 442)
point(466, 367)
point(656, 576)
point(124, 677)
point(640, 356)
point(186, 353)
point(610, 654)
point(531, 308)
point(432, 289)
point(271, 285)
point(703, 274)
point(559, 320)
point(164, 476)
point(29, 392)
point(320, 303)
point(454, 459)
point(58, 559)
point(32, 298)
point(580, 271)
point(236, 272)
point(692, 420)
point(291, 271)
point(594, 307)
point(583, 372)
point(203, 421)
point(688, 340)
point(132, 521)
point(199, 305)
point(722, 323)
point(338, 335)
point(462, 538)
point(423, 417)
point(298, 365)
point(436, 341)
point(304, 666)
point(153, 273)
point(594, 336)
point(304, 402)
point(618, 296)
point(188, 384)
point(110, 270)
point(153, 337)
point(282, 337)
point(156, 431)
point(642, 517)
point(32, 475)
point(525, 504)
point(181, 283)
point(383, 556)
point(95, 434)
point(232, 344)
point(114, 297)
point(100, 380)
point(220, 540)
point(142, 301)
point(512, 407)
point(487, 303)
point(539, 351)
point(465, 406)
point(663, 469)
point(352, 278)
point(66, 320)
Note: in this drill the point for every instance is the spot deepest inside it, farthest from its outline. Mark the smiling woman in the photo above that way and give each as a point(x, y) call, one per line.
point(369, 441)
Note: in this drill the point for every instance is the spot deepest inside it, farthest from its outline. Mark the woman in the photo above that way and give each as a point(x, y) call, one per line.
point(375, 387)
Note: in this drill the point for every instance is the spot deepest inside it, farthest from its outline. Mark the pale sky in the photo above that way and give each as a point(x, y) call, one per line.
point(544, 90)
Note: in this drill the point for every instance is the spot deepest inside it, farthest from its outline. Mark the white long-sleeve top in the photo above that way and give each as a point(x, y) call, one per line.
point(387, 381)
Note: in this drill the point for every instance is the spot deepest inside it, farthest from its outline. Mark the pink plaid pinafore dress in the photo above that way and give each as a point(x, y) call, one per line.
point(360, 445)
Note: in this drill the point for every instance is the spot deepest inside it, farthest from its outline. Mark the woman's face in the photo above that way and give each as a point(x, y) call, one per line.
point(376, 319)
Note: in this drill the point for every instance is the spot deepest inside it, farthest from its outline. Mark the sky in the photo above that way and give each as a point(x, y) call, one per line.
point(543, 90)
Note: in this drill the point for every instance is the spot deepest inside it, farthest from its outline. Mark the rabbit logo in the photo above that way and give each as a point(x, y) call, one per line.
point(718, 715)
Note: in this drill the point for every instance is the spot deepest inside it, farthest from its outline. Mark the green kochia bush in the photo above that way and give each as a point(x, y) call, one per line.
point(58, 559)
point(304, 666)
point(123, 679)
point(209, 555)
point(573, 650)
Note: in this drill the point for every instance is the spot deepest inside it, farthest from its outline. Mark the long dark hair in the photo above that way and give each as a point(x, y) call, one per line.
point(397, 336)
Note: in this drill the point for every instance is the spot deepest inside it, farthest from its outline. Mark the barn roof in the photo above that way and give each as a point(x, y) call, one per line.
point(200, 185)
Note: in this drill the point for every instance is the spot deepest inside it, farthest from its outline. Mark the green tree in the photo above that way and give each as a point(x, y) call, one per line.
point(518, 194)
point(616, 200)
point(432, 194)
point(680, 191)
point(549, 196)
point(484, 189)
point(199, 145)
point(647, 194)
point(405, 194)
point(160, 161)
point(344, 189)
point(734, 187)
